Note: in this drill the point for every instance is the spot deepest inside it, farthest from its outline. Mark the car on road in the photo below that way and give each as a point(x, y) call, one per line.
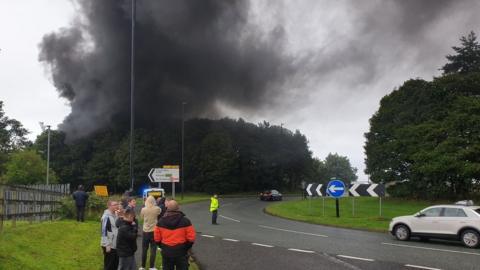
point(271, 195)
point(452, 222)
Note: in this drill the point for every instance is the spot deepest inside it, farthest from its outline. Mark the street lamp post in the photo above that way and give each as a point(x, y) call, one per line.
point(132, 92)
point(183, 146)
point(48, 152)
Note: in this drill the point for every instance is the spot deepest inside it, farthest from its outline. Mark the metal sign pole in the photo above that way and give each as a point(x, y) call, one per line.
point(353, 206)
point(338, 207)
point(310, 204)
point(380, 206)
point(173, 190)
point(323, 199)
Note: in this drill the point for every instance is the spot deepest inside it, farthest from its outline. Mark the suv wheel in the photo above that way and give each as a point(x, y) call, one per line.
point(470, 238)
point(402, 232)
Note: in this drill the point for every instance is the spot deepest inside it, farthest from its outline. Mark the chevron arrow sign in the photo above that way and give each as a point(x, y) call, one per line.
point(368, 190)
point(316, 190)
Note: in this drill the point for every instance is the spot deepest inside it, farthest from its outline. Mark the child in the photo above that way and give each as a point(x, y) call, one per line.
point(127, 242)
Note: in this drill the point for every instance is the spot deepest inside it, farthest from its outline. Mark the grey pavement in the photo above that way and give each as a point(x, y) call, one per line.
point(242, 223)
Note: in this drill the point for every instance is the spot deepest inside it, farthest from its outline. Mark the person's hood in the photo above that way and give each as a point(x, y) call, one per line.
point(171, 219)
point(107, 213)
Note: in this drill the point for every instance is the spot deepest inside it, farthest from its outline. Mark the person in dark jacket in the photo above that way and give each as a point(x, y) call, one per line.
point(80, 198)
point(131, 204)
point(161, 204)
point(127, 242)
point(175, 234)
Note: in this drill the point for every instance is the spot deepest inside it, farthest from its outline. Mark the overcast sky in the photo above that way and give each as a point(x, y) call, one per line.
point(351, 55)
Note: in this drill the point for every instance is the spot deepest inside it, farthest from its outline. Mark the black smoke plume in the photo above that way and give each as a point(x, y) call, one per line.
point(204, 53)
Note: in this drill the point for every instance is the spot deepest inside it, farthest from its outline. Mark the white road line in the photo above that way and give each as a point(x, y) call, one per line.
point(229, 218)
point(356, 258)
point(421, 267)
point(208, 236)
point(301, 250)
point(231, 240)
point(284, 230)
point(261, 245)
point(434, 249)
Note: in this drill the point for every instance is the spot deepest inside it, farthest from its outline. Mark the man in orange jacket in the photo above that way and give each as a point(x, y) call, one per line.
point(175, 234)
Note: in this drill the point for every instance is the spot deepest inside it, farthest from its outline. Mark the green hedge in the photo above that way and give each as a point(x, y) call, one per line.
point(94, 210)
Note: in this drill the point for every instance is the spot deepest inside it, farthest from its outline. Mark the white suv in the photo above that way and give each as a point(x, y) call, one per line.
point(457, 222)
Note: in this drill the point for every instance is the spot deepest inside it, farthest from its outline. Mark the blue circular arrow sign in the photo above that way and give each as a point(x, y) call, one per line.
point(336, 188)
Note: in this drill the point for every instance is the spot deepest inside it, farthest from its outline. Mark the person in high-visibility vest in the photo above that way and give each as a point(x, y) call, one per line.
point(214, 208)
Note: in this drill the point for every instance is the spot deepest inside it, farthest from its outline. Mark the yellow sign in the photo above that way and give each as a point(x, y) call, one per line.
point(155, 194)
point(171, 166)
point(101, 191)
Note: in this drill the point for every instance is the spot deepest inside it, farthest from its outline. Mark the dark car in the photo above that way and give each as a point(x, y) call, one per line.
point(271, 195)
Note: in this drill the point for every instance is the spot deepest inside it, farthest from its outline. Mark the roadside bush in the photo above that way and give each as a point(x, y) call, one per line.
point(399, 190)
point(95, 207)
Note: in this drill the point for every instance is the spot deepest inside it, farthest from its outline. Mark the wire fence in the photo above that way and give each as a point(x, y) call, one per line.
point(30, 202)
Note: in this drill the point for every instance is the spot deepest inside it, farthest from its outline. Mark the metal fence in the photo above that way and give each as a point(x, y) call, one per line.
point(31, 203)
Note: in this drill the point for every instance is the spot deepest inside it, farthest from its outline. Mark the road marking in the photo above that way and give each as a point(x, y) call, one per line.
point(421, 267)
point(284, 230)
point(301, 250)
point(231, 240)
point(229, 218)
point(261, 245)
point(434, 249)
point(356, 258)
point(208, 236)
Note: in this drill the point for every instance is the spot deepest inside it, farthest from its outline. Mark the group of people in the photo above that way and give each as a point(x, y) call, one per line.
point(164, 226)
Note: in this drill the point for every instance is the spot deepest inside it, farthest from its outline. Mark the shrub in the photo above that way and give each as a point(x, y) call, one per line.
point(95, 207)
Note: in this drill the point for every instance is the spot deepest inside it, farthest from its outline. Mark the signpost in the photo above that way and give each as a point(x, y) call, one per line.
point(101, 191)
point(169, 173)
point(314, 190)
point(336, 188)
point(368, 190)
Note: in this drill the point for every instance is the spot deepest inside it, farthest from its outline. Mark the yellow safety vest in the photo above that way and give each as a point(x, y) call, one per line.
point(213, 204)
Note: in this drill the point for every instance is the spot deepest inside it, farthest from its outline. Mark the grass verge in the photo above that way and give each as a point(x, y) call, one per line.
point(54, 245)
point(365, 217)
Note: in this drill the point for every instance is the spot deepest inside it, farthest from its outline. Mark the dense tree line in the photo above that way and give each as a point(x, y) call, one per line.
point(425, 137)
point(220, 155)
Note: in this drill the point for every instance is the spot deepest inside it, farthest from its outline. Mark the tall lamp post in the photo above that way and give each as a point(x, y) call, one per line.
point(183, 146)
point(48, 148)
point(132, 92)
point(48, 152)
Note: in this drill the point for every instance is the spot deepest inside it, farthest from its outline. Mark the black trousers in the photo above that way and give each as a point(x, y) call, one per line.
point(110, 259)
point(81, 213)
point(176, 263)
point(148, 241)
point(214, 216)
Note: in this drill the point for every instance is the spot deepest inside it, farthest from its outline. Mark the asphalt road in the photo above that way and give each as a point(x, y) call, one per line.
point(249, 239)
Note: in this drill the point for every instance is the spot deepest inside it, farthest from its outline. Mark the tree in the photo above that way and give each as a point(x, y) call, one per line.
point(467, 57)
point(224, 155)
point(426, 136)
point(27, 167)
point(12, 137)
point(334, 166)
point(217, 164)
